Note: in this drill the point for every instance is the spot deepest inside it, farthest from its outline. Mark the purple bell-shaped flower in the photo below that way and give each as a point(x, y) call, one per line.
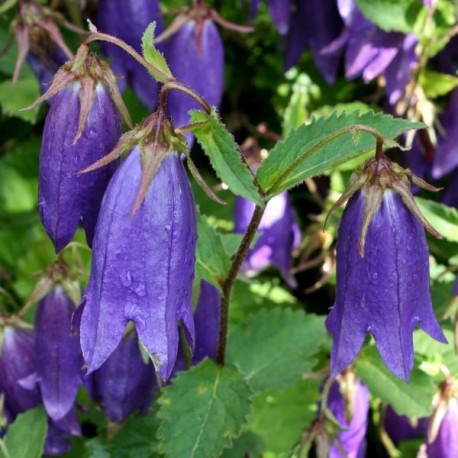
point(124, 383)
point(58, 440)
point(127, 20)
point(279, 10)
point(58, 354)
point(400, 428)
point(142, 264)
point(280, 235)
point(351, 437)
point(382, 287)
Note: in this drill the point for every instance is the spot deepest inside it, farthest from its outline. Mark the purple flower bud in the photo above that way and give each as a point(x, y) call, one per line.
point(124, 383)
point(59, 359)
point(142, 265)
point(58, 438)
point(206, 319)
point(127, 20)
point(279, 235)
point(65, 197)
point(446, 158)
point(445, 444)
point(401, 428)
point(451, 191)
point(351, 438)
point(18, 370)
point(196, 58)
point(280, 12)
point(386, 292)
point(315, 24)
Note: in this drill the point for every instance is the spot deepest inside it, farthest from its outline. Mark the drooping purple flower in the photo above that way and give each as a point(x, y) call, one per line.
point(446, 158)
point(66, 197)
point(142, 265)
point(58, 354)
point(58, 439)
point(279, 10)
point(445, 444)
point(127, 20)
point(279, 235)
point(196, 58)
point(18, 370)
point(401, 428)
point(386, 292)
point(315, 24)
point(124, 383)
point(451, 190)
point(351, 438)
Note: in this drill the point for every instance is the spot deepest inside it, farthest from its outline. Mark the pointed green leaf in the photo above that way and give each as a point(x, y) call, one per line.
point(153, 56)
point(13, 97)
point(413, 399)
point(224, 154)
point(316, 148)
point(26, 436)
point(273, 348)
point(436, 84)
point(202, 411)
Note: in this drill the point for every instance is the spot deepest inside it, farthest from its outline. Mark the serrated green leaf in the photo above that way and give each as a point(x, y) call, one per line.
point(248, 444)
point(17, 96)
point(224, 154)
point(26, 436)
point(444, 219)
point(212, 262)
point(280, 417)
point(436, 84)
point(202, 411)
point(273, 348)
point(153, 56)
point(392, 15)
point(413, 399)
point(304, 142)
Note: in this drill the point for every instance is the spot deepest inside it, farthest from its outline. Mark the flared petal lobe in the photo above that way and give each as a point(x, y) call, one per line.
point(279, 235)
point(446, 444)
point(66, 197)
point(385, 293)
point(142, 265)
point(197, 61)
point(58, 353)
point(124, 383)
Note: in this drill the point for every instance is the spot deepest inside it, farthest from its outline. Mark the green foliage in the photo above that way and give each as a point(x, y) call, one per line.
point(153, 56)
point(436, 84)
point(13, 97)
point(225, 156)
point(413, 399)
point(265, 347)
point(322, 145)
point(26, 436)
point(442, 218)
point(392, 15)
point(202, 411)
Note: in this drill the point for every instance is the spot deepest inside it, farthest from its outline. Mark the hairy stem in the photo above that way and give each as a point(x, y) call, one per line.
point(230, 278)
point(170, 85)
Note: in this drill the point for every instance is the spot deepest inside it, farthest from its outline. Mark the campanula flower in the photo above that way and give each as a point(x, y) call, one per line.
point(58, 438)
point(279, 10)
point(142, 265)
point(401, 428)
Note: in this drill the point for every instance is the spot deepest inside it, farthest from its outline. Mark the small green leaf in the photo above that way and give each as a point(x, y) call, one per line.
point(316, 148)
point(273, 348)
point(413, 399)
point(436, 84)
point(212, 261)
point(26, 436)
point(16, 96)
point(153, 56)
point(225, 157)
point(248, 444)
point(6, 5)
point(202, 411)
point(444, 219)
point(392, 15)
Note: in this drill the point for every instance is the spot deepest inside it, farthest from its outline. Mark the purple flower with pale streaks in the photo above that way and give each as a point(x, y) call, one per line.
point(445, 444)
point(124, 383)
point(142, 265)
point(127, 20)
point(58, 439)
point(318, 25)
point(280, 235)
point(66, 197)
point(58, 354)
point(351, 438)
point(18, 370)
point(386, 292)
point(196, 58)
point(401, 428)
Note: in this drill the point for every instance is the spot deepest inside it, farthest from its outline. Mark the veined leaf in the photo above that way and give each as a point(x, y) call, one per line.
point(153, 56)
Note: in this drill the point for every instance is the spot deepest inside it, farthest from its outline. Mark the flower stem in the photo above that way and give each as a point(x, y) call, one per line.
point(230, 278)
point(169, 85)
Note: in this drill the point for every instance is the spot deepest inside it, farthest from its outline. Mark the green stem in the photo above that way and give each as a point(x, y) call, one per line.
point(230, 278)
point(338, 133)
point(324, 396)
point(4, 450)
